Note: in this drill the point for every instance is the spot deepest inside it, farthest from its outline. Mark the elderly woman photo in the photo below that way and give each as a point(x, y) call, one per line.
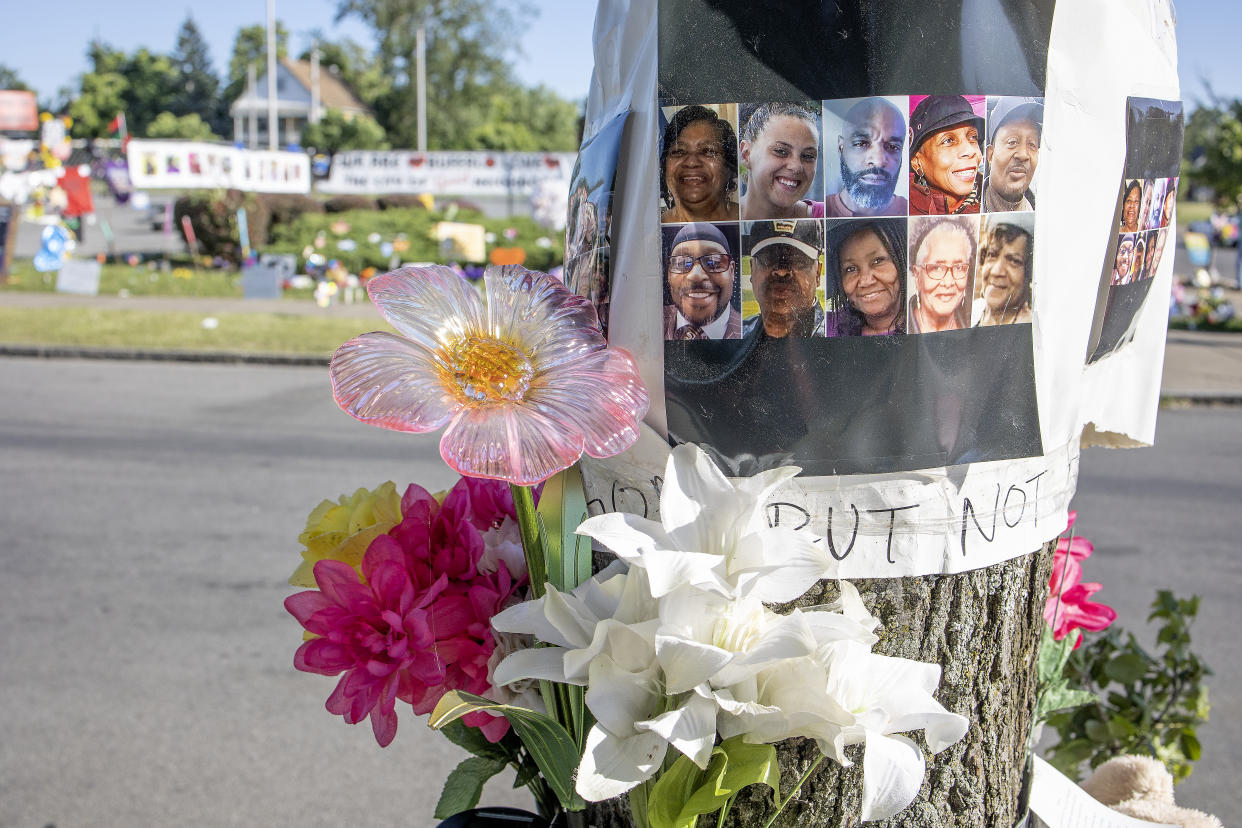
point(1005, 270)
point(698, 167)
point(867, 277)
point(780, 157)
point(941, 271)
point(945, 156)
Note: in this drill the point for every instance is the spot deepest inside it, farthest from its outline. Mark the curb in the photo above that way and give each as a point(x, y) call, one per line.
point(217, 357)
point(1168, 399)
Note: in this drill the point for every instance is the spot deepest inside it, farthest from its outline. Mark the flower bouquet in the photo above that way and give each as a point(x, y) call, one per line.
point(667, 676)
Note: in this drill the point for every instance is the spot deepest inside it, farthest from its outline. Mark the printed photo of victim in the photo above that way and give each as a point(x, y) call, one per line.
point(865, 157)
point(698, 163)
point(588, 232)
point(1005, 270)
point(1143, 217)
point(779, 153)
point(946, 154)
point(702, 296)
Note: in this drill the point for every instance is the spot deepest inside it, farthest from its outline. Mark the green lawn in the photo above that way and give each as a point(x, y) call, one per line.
point(235, 332)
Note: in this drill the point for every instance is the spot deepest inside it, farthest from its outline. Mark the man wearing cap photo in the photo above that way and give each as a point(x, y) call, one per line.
point(785, 270)
point(873, 134)
point(1015, 126)
point(701, 273)
point(945, 156)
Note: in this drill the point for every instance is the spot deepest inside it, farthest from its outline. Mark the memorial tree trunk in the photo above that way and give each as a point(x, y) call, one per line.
point(983, 627)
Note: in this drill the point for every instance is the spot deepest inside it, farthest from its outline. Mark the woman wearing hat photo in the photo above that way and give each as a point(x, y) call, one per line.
point(945, 156)
point(698, 167)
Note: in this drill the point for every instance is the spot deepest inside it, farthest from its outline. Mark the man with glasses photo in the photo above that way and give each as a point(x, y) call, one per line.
point(785, 270)
point(701, 278)
point(943, 259)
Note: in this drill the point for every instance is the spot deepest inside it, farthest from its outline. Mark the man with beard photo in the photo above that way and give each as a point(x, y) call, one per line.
point(1014, 131)
point(785, 270)
point(873, 133)
point(700, 275)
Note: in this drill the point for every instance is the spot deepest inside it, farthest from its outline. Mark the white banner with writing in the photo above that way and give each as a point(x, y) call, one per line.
point(446, 173)
point(201, 165)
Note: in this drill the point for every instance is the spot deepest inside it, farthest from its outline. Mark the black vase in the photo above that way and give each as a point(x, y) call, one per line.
point(497, 818)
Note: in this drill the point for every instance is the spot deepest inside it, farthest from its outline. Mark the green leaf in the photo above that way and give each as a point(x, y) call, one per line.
point(1121, 728)
point(1190, 744)
point(464, 785)
point(549, 744)
point(683, 792)
point(1126, 669)
point(1052, 656)
point(1061, 696)
point(562, 508)
point(1097, 731)
point(472, 739)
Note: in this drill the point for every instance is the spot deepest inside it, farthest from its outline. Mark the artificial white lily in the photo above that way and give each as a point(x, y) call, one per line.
point(713, 534)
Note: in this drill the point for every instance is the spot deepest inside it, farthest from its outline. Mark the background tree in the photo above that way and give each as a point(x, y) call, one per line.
point(9, 79)
point(140, 85)
point(527, 120)
point(1213, 150)
point(189, 127)
point(250, 46)
point(469, 43)
point(198, 89)
point(335, 132)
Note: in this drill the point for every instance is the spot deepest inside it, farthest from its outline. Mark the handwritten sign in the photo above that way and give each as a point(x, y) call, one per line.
point(1060, 803)
point(935, 522)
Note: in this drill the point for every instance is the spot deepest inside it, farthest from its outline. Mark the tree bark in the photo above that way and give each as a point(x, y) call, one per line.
point(983, 628)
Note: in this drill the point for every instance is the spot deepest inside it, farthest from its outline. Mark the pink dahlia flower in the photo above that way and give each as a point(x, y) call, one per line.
point(417, 623)
point(522, 385)
point(1075, 609)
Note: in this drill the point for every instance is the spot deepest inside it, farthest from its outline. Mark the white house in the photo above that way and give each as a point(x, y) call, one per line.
point(303, 92)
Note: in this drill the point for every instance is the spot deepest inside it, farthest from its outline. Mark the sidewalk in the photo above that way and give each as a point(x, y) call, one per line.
point(1199, 366)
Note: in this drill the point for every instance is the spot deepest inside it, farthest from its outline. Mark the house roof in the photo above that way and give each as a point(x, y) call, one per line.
point(333, 94)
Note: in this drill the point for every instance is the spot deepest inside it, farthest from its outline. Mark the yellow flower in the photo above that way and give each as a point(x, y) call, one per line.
point(343, 530)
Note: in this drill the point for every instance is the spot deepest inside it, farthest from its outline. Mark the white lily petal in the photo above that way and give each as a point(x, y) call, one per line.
point(534, 663)
point(528, 617)
point(671, 568)
point(627, 535)
point(611, 766)
point(687, 663)
point(569, 616)
point(618, 697)
point(786, 561)
point(690, 728)
point(892, 774)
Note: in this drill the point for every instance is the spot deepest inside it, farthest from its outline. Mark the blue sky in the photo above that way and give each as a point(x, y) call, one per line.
point(46, 41)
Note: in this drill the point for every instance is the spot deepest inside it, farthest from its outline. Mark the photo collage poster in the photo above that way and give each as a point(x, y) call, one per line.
point(1146, 224)
point(811, 218)
point(814, 221)
point(588, 230)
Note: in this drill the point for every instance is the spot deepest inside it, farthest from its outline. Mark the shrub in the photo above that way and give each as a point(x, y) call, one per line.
point(398, 201)
point(284, 208)
point(213, 213)
point(344, 203)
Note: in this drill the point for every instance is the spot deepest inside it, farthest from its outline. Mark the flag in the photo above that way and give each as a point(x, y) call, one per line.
point(117, 129)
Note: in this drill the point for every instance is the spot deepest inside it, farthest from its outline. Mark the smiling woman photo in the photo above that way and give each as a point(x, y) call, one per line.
point(780, 156)
point(1004, 280)
point(698, 163)
point(867, 274)
point(945, 156)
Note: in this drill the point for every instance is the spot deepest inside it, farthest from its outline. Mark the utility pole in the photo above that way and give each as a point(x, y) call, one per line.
point(420, 64)
point(272, 127)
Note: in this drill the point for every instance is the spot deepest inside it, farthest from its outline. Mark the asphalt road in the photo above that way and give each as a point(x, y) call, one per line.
point(150, 514)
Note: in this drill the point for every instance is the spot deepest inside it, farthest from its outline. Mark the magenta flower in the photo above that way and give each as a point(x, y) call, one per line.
point(417, 623)
point(522, 386)
point(1075, 609)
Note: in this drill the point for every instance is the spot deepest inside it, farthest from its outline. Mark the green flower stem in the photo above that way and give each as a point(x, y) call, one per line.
point(794, 792)
point(724, 812)
point(536, 563)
